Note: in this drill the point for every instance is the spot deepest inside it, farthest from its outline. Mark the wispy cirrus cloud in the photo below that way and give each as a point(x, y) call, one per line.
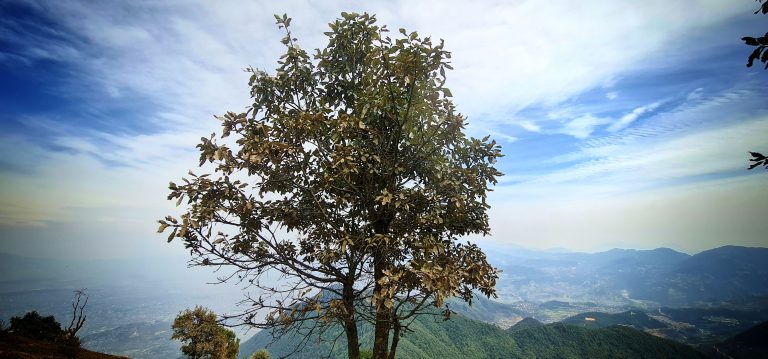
point(677, 180)
point(627, 119)
point(709, 136)
point(583, 126)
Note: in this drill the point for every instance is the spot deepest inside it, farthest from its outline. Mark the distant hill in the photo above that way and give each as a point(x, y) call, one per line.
point(485, 310)
point(14, 346)
point(559, 340)
point(620, 259)
point(702, 326)
point(720, 273)
point(750, 344)
point(526, 323)
point(461, 337)
point(709, 325)
point(630, 277)
point(636, 319)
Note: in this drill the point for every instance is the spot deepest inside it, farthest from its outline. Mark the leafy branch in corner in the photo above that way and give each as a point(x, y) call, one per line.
point(761, 43)
point(758, 159)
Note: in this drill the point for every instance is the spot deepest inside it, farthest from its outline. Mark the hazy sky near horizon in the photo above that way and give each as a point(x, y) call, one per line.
point(623, 124)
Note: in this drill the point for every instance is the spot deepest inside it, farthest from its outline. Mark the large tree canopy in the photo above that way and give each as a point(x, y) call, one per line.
point(342, 192)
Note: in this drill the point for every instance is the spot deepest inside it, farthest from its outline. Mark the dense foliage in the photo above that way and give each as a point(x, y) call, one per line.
point(351, 178)
point(202, 335)
point(33, 325)
point(750, 344)
point(260, 354)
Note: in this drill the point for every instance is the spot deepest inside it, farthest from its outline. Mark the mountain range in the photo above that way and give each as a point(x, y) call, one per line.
point(638, 277)
point(702, 302)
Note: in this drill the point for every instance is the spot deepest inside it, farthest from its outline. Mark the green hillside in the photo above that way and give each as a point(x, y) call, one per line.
point(750, 344)
point(636, 319)
point(431, 338)
point(526, 323)
point(485, 310)
point(465, 338)
point(566, 341)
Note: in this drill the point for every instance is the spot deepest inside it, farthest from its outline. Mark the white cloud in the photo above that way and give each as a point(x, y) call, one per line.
point(507, 55)
point(695, 94)
point(627, 119)
point(529, 126)
point(611, 95)
point(686, 189)
point(544, 53)
point(503, 136)
point(635, 161)
point(582, 127)
point(714, 151)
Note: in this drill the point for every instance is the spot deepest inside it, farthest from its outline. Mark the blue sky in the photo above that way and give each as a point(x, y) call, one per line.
point(623, 125)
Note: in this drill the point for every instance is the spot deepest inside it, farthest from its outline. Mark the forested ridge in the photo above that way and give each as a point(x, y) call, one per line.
point(461, 337)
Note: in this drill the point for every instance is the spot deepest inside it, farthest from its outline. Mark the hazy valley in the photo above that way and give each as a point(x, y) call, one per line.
point(700, 299)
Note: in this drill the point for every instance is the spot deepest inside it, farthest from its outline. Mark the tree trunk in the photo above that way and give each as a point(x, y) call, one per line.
point(350, 324)
point(353, 345)
point(381, 334)
point(382, 326)
point(395, 336)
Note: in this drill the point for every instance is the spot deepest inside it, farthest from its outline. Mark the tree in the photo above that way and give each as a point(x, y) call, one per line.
point(232, 343)
point(202, 335)
point(33, 325)
point(341, 193)
point(260, 354)
point(366, 354)
point(78, 318)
